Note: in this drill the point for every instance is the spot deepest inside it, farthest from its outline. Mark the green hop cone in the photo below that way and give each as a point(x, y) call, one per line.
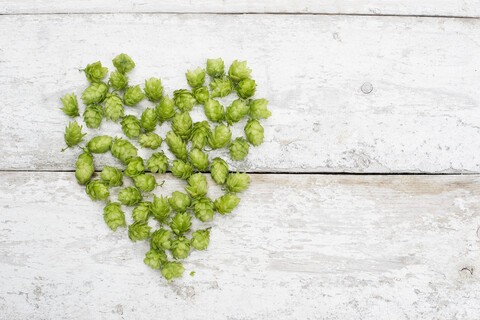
point(134, 167)
point(237, 182)
point(239, 149)
point(258, 109)
point(123, 150)
point(149, 120)
point(199, 159)
point(172, 270)
point(197, 185)
point(158, 162)
point(180, 247)
point(139, 230)
point(123, 63)
point(176, 145)
point(201, 239)
point(160, 208)
point(246, 88)
point(99, 144)
point(112, 177)
point(70, 105)
point(179, 201)
point(199, 134)
point(95, 93)
point(129, 196)
point(214, 110)
point(254, 132)
point(219, 137)
point(184, 99)
point(133, 95)
point(84, 168)
point(219, 170)
point(95, 72)
point(195, 78)
point(153, 89)
point(145, 182)
point(239, 71)
point(165, 109)
point(201, 94)
point(113, 107)
point(150, 140)
point(141, 211)
point(97, 190)
point(181, 169)
point(118, 81)
point(93, 115)
point(236, 111)
point(73, 134)
point(181, 223)
point(131, 126)
point(220, 87)
point(161, 239)
point(203, 208)
point(114, 216)
point(182, 124)
point(226, 203)
point(155, 259)
point(215, 67)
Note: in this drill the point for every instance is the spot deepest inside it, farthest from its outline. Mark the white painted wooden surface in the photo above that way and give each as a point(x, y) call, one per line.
point(422, 116)
point(298, 247)
point(468, 8)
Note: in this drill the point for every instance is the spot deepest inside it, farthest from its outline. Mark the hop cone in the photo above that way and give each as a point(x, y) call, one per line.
point(139, 230)
point(95, 72)
point(113, 107)
point(176, 145)
point(129, 196)
point(70, 105)
point(93, 115)
point(201, 239)
point(97, 190)
point(158, 162)
point(203, 208)
point(254, 132)
point(73, 134)
point(199, 159)
point(155, 259)
point(182, 124)
point(131, 126)
point(184, 99)
point(165, 109)
point(153, 89)
point(114, 216)
point(135, 167)
point(179, 201)
point(239, 71)
point(118, 81)
point(160, 208)
point(145, 182)
point(219, 137)
point(150, 140)
point(172, 270)
point(95, 93)
point(99, 144)
point(123, 149)
point(161, 239)
point(236, 111)
point(258, 109)
point(84, 168)
point(123, 63)
point(219, 170)
point(148, 120)
point(239, 149)
point(112, 177)
point(197, 185)
point(246, 88)
point(199, 134)
point(215, 67)
point(133, 95)
point(237, 182)
point(180, 247)
point(220, 87)
point(201, 94)
point(181, 169)
point(141, 211)
point(214, 110)
point(195, 78)
point(226, 203)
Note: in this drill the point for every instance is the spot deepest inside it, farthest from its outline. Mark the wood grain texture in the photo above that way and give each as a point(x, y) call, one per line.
point(422, 116)
point(297, 247)
point(469, 8)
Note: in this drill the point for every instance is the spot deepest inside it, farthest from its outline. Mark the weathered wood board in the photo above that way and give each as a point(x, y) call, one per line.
point(297, 247)
point(465, 8)
point(422, 115)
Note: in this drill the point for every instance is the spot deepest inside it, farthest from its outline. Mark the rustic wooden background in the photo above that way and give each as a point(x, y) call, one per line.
point(365, 196)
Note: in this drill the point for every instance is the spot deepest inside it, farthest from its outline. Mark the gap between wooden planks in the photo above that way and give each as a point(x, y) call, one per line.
point(422, 115)
point(298, 246)
point(455, 8)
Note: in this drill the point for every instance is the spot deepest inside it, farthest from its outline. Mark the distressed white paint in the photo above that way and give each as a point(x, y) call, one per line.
point(297, 247)
point(422, 116)
point(468, 8)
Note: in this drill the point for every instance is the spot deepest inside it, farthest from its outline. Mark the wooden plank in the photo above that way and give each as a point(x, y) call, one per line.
point(469, 8)
point(422, 114)
point(297, 247)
